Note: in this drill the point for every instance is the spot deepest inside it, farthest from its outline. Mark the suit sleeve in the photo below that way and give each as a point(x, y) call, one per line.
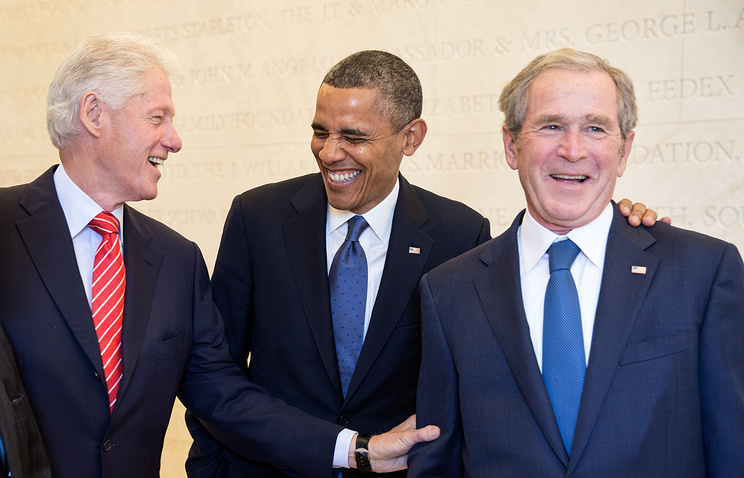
point(240, 414)
point(437, 400)
point(232, 285)
point(232, 282)
point(721, 373)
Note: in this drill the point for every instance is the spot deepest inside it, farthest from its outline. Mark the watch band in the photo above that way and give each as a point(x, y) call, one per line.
point(362, 453)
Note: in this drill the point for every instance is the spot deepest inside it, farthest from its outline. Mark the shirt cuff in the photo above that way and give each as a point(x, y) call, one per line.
point(341, 453)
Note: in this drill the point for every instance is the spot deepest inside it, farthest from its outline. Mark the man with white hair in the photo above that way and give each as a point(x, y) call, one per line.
point(110, 312)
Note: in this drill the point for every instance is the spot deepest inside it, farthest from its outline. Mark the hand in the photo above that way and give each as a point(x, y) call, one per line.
point(639, 211)
point(389, 451)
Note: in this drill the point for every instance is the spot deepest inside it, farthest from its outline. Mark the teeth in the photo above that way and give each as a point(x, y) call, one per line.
point(569, 178)
point(156, 161)
point(337, 178)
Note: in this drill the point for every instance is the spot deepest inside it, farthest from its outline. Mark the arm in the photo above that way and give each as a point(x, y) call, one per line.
point(389, 451)
point(721, 372)
point(232, 283)
point(635, 212)
point(240, 414)
point(232, 287)
point(437, 401)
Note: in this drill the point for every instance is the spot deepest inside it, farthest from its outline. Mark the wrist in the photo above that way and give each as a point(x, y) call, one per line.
point(361, 453)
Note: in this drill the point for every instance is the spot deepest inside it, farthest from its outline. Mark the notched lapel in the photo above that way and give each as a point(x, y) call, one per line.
point(621, 295)
point(500, 292)
point(56, 261)
point(142, 262)
point(400, 278)
point(304, 237)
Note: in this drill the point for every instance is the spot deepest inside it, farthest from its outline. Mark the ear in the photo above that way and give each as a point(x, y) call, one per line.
point(510, 148)
point(415, 131)
point(91, 113)
point(625, 153)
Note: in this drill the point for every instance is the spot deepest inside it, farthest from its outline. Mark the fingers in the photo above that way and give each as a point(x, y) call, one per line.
point(428, 433)
point(408, 424)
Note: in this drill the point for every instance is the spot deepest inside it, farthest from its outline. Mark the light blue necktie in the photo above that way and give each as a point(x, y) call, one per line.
point(347, 280)
point(564, 363)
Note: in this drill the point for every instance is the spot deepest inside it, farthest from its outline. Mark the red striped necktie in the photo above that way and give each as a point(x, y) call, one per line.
point(109, 282)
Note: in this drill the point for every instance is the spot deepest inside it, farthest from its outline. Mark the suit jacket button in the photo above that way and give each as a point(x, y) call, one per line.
point(343, 419)
point(107, 446)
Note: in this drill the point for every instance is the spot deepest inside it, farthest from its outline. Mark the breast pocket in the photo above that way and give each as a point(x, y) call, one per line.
point(170, 348)
point(656, 348)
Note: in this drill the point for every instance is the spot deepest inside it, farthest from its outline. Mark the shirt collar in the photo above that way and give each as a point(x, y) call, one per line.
point(535, 239)
point(379, 218)
point(78, 207)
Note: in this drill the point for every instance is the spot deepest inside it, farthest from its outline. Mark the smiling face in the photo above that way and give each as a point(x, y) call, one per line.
point(357, 151)
point(136, 140)
point(570, 150)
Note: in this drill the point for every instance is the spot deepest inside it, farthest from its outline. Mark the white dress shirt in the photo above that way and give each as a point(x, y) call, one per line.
point(79, 210)
point(374, 240)
point(534, 240)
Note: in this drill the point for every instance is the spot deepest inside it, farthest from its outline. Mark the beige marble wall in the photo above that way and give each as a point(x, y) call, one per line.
point(250, 71)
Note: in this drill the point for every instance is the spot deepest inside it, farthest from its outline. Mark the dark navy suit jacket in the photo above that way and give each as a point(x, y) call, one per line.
point(271, 285)
point(172, 345)
point(664, 388)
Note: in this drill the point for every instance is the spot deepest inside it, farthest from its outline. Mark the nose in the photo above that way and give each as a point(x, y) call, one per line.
point(571, 145)
point(332, 150)
point(171, 141)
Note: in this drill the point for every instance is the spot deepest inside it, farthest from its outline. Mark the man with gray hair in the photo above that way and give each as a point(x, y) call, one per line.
point(277, 279)
point(110, 312)
point(573, 344)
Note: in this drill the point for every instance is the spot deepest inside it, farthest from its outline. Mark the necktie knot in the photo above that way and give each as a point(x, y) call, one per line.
point(357, 225)
point(562, 254)
point(105, 223)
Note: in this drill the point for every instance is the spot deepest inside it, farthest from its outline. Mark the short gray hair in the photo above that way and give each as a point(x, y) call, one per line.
point(401, 96)
point(111, 64)
point(514, 101)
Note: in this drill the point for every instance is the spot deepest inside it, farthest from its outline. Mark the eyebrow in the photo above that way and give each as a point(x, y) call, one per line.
point(344, 131)
point(600, 120)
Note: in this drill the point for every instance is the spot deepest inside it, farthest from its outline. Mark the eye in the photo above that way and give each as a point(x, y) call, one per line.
point(320, 134)
point(355, 140)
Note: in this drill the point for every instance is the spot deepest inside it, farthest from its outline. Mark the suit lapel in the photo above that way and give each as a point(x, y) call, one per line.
point(56, 261)
point(304, 236)
point(400, 278)
point(620, 298)
point(501, 294)
point(142, 262)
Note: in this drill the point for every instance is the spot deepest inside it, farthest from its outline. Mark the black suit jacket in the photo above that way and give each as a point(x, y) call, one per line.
point(271, 286)
point(664, 389)
point(24, 450)
point(172, 344)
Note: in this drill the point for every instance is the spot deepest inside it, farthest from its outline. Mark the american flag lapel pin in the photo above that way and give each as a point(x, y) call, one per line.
point(414, 250)
point(638, 269)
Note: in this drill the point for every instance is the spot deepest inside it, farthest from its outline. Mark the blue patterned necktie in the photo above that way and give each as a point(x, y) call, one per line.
point(564, 363)
point(347, 280)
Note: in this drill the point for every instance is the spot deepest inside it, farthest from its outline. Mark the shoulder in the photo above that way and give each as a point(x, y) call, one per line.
point(440, 206)
point(282, 190)
point(155, 233)
point(669, 240)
